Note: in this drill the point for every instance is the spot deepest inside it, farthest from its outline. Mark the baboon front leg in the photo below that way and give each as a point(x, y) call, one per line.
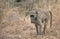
point(45, 26)
point(38, 29)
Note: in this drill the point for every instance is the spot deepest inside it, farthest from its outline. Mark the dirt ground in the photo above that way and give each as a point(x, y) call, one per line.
point(14, 25)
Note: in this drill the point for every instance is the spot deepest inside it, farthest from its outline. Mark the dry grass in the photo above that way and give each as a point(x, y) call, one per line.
point(14, 25)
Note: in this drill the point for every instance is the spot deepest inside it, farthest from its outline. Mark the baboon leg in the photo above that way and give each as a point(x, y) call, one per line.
point(39, 29)
point(36, 28)
point(45, 26)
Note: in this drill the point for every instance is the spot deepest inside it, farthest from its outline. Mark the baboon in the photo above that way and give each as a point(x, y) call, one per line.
point(40, 19)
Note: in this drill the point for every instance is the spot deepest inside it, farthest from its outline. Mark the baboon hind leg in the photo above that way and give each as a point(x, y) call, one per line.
point(36, 28)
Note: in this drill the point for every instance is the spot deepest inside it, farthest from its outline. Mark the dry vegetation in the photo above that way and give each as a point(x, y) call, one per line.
point(14, 24)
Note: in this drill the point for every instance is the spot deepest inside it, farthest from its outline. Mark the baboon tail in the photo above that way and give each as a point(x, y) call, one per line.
point(50, 19)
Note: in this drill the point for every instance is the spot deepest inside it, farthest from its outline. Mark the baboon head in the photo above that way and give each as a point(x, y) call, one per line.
point(33, 16)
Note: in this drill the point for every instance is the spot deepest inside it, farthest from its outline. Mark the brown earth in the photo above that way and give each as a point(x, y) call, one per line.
point(14, 24)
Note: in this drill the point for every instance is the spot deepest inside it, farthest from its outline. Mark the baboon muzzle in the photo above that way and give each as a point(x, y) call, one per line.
point(33, 18)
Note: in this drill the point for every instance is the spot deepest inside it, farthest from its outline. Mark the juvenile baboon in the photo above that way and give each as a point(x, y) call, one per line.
point(40, 19)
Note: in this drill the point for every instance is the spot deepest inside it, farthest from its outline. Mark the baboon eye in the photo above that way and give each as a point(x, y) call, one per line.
point(31, 15)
